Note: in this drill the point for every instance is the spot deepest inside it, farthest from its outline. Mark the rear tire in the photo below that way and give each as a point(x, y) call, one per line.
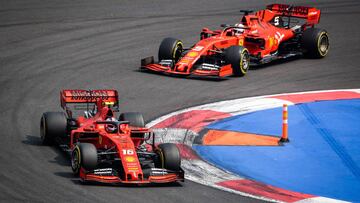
point(170, 48)
point(169, 156)
point(52, 125)
point(136, 119)
point(315, 43)
point(239, 58)
point(84, 155)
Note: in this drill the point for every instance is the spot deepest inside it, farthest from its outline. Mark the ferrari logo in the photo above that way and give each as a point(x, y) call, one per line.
point(241, 42)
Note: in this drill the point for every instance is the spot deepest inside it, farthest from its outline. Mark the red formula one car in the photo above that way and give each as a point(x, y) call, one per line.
point(277, 32)
point(106, 149)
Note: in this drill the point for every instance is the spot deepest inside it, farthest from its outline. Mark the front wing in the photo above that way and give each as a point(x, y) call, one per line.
point(109, 176)
point(148, 64)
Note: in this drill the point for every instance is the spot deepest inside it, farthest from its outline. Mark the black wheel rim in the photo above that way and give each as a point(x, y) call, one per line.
point(75, 160)
point(178, 52)
point(245, 61)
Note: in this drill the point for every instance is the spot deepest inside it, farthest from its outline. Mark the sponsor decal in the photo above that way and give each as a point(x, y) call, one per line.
point(254, 32)
point(184, 61)
point(103, 171)
point(193, 54)
point(296, 9)
point(313, 13)
point(131, 164)
point(187, 58)
point(128, 151)
point(129, 159)
point(198, 48)
point(300, 10)
point(158, 171)
point(241, 42)
point(279, 37)
point(89, 95)
point(109, 103)
point(271, 41)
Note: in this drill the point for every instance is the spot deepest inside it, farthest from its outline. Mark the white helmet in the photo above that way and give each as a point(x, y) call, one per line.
point(239, 29)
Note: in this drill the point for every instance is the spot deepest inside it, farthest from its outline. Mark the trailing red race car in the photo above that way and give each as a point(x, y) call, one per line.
point(106, 149)
point(277, 32)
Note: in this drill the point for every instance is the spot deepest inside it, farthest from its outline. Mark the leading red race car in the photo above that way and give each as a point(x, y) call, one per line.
point(277, 32)
point(106, 149)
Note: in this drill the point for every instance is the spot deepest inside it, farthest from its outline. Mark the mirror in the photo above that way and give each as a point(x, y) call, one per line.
point(224, 25)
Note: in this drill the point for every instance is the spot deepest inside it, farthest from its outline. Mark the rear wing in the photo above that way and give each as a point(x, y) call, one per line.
point(311, 14)
point(109, 97)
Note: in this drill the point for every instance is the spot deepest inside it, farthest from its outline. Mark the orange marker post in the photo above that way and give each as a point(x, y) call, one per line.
point(284, 136)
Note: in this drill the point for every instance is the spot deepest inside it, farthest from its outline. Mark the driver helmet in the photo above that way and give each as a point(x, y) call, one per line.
point(239, 29)
point(110, 127)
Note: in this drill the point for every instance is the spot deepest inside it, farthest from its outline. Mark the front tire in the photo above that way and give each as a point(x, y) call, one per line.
point(169, 156)
point(135, 119)
point(315, 42)
point(84, 155)
point(171, 49)
point(52, 125)
point(239, 58)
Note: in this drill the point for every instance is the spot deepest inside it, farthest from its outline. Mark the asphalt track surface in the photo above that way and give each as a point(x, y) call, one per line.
point(46, 46)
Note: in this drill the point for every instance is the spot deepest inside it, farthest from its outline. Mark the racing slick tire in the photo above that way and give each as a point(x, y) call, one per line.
point(315, 42)
point(239, 58)
point(84, 155)
point(170, 48)
point(52, 125)
point(169, 156)
point(135, 119)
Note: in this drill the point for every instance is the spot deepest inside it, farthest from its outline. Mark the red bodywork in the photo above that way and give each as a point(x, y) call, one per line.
point(262, 36)
point(123, 143)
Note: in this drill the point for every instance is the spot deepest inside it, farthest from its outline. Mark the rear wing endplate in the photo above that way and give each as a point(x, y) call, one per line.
point(310, 13)
point(108, 97)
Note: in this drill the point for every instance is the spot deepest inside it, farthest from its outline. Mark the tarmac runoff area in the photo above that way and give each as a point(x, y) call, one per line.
point(237, 148)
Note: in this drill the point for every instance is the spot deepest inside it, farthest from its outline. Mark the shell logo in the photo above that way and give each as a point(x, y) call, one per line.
point(193, 54)
point(129, 159)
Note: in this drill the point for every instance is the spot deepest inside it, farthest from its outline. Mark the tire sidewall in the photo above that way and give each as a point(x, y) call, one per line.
point(168, 49)
point(136, 119)
point(239, 59)
point(169, 156)
point(52, 125)
point(43, 131)
point(84, 155)
point(311, 40)
point(76, 160)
